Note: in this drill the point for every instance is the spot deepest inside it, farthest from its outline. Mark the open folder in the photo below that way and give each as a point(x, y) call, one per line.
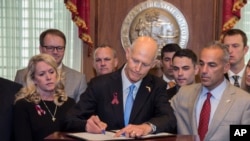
point(110, 136)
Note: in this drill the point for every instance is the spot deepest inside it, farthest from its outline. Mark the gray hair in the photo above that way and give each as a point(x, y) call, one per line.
point(223, 47)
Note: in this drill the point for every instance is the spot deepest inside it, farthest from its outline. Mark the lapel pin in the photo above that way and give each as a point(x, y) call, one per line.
point(149, 89)
point(228, 101)
point(115, 99)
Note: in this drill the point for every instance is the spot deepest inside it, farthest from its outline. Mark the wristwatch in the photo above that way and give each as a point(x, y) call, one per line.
point(153, 127)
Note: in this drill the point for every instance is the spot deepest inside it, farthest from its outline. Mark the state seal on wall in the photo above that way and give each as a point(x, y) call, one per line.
point(158, 19)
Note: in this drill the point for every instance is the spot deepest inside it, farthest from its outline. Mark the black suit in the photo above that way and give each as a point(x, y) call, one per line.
point(8, 89)
point(172, 91)
point(151, 104)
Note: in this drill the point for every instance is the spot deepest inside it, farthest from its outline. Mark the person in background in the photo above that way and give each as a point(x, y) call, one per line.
point(41, 105)
point(53, 42)
point(8, 89)
point(246, 84)
point(236, 41)
point(207, 109)
point(167, 53)
point(128, 99)
point(105, 60)
point(185, 68)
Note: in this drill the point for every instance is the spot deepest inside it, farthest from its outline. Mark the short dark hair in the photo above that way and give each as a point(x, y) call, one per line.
point(52, 32)
point(172, 47)
point(232, 32)
point(186, 53)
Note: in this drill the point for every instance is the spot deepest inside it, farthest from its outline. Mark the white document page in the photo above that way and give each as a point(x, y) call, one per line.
point(110, 136)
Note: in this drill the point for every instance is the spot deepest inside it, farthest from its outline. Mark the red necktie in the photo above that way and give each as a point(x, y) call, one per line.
point(204, 117)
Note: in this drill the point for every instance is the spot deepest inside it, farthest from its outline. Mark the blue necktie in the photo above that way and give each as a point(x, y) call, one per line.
point(129, 104)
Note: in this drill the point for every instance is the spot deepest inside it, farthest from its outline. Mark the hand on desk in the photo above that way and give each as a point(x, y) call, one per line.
point(95, 125)
point(134, 130)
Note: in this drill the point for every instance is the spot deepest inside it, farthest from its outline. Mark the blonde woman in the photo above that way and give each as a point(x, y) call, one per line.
point(41, 105)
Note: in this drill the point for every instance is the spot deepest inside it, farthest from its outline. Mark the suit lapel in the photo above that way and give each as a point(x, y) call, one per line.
point(117, 90)
point(223, 107)
point(141, 97)
point(243, 80)
point(193, 103)
point(2, 92)
point(64, 70)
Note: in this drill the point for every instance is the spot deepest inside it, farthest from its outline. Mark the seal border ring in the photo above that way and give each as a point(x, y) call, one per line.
point(159, 4)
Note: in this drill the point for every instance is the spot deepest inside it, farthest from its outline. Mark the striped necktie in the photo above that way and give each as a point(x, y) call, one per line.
point(236, 80)
point(171, 84)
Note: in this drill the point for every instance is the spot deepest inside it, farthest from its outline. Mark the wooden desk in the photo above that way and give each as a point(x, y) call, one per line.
point(60, 136)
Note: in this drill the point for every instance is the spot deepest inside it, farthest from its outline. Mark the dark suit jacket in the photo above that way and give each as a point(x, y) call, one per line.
point(172, 91)
point(7, 91)
point(150, 105)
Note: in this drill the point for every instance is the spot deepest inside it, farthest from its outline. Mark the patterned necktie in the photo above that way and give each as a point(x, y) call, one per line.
point(236, 82)
point(129, 105)
point(171, 84)
point(204, 117)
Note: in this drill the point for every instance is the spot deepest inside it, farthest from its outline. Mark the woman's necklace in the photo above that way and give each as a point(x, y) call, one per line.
point(53, 116)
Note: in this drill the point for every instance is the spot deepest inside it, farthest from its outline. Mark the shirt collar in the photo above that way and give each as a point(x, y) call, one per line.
point(125, 81)
point(240, 74)
point(164, 77)
point(217, 91)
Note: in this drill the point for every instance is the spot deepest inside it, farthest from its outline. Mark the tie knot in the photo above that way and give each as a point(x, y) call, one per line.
point(235, 77)
point(209, 95)
point(236, 82)
point(171, 84)
point(131, 88)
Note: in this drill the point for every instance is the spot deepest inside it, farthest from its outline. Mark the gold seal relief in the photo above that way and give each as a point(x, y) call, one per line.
point(158, 19)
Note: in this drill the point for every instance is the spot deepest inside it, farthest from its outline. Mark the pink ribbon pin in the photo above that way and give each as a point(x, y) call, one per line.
point(115, 99)
point(39, 110)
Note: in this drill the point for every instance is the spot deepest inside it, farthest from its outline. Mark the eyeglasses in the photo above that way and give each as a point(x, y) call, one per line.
point(52, 48)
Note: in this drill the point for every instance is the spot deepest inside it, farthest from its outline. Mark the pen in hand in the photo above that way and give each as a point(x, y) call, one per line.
point(100, 124)
point(103, 132)
point(95, 125)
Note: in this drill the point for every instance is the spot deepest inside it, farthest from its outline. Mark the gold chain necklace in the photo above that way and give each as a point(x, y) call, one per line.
point(53, 116)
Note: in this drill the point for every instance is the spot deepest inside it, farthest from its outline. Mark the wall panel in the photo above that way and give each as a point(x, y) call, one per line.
point(203, 18)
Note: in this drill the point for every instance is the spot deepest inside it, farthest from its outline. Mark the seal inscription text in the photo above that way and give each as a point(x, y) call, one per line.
point(158, 19)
